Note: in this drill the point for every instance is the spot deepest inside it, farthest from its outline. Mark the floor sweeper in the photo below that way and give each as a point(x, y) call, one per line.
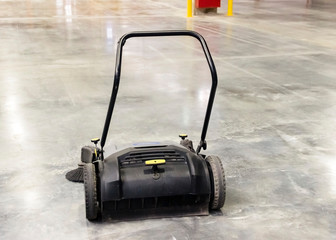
point(153, 180)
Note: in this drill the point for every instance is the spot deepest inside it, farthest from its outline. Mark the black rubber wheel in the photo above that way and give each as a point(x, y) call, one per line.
point(217, 178)
point(90, 188)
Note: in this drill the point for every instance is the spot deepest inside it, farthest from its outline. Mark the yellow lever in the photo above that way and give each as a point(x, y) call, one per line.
point(155, 162)
point(95, 140)
point(183, 136)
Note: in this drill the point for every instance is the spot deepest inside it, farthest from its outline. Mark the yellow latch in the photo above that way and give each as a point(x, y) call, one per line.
point(183, 136)
point(155, 162)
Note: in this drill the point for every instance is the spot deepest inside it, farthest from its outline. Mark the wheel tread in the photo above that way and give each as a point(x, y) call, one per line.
point(90, 187)
point(219, 184)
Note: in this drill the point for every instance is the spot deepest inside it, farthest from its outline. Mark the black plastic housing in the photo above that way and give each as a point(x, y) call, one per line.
point(87, 154)
point(127, 184)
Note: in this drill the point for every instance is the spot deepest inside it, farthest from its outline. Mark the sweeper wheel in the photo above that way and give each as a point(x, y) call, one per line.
point(217, 178)
point(90, 187)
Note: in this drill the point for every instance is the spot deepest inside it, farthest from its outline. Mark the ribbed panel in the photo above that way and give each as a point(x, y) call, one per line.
point(158, 202)
point(138, 158)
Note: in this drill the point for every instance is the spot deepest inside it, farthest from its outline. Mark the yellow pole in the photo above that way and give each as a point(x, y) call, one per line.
point(189, 8)
point(229, 11)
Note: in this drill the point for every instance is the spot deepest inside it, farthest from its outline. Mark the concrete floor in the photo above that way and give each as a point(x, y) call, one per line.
point(273, 121)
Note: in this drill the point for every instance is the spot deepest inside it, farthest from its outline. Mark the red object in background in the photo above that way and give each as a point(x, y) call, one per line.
point(207, 3)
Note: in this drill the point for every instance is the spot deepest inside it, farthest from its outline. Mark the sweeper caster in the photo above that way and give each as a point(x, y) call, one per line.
point(156, 180)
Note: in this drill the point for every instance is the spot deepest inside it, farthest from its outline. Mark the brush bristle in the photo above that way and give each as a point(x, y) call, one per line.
point(75, 175)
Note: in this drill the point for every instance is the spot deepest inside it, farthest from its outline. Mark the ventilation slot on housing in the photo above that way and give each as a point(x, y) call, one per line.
point(136, 158)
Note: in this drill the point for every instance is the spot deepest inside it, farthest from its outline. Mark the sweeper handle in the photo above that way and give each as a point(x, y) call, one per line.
point(117, 74)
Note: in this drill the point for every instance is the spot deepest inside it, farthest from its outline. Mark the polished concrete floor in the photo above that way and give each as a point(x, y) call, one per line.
point(273, 122)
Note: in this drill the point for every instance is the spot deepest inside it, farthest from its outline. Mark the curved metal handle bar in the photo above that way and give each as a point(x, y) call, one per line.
point(117, 74)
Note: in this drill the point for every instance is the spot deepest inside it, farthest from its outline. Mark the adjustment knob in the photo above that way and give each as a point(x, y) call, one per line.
point(183, 136)
point(95, 140)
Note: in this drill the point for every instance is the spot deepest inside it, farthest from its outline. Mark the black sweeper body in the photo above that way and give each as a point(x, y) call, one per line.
point(157, 180)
